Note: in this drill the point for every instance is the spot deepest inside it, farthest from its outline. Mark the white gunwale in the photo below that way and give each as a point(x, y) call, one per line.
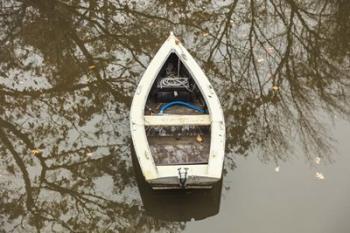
point(215, 118)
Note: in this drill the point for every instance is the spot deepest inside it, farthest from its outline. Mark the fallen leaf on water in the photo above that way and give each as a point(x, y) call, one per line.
point(269, 50)
point(275, 88)
point(319, 176)
point(317, 160)
point(260, 60)
point(36, 151)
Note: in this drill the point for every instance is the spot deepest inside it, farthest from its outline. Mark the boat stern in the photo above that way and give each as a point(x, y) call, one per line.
point(183, 177)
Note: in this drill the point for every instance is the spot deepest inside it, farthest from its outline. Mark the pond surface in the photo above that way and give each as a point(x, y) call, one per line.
point(68, 71)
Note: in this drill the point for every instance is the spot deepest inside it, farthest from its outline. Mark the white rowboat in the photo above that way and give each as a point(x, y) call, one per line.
point(177, 123)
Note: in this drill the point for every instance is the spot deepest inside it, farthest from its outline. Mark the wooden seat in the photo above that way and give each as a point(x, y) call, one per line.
point(176, 120)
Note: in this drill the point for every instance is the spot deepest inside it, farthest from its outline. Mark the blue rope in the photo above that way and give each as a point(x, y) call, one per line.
point(181, 103)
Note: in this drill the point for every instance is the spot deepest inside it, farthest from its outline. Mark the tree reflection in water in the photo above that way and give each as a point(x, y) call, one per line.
point(68, 70)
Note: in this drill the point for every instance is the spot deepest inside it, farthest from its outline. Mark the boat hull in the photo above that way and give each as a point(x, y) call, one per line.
point(194, 182)
point(152, 158)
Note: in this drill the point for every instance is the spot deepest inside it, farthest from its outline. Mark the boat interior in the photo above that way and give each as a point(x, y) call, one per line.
point(177, 121)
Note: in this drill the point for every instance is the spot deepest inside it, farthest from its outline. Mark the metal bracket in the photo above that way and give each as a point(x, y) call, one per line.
point(183, 176)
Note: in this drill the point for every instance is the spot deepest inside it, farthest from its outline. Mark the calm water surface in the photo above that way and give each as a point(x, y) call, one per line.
point(68, 70)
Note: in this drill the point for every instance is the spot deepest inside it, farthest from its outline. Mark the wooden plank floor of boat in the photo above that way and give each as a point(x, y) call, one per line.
point(169, 150)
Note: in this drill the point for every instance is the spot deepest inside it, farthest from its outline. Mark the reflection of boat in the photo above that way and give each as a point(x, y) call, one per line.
point(178, 205)
point(177, 123)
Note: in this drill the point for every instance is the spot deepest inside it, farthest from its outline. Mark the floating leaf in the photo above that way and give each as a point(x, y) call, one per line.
point(260, 60)
point(269, 50)
point(36, 151)
point(319, 176)
point(317, 160)
point(275, 88)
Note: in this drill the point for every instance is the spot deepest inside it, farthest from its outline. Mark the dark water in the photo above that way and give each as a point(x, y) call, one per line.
point(68, 70)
